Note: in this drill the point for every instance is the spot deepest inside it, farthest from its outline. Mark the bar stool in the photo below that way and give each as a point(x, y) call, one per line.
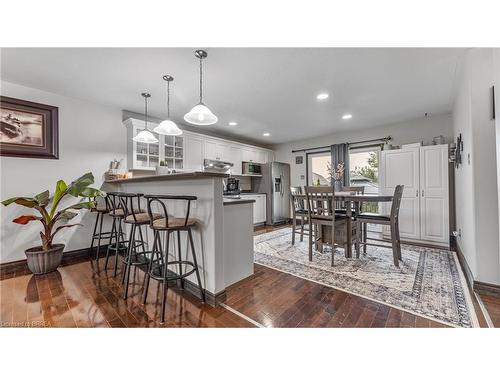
point(101, 207)
point(158, 269)
point(117, 234)
point(136, 217)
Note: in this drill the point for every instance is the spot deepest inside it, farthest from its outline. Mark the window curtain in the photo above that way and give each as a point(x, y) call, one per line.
point(340, 153)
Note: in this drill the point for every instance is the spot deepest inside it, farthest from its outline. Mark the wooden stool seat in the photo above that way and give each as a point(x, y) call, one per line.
point(140, 218)
point(173, 223)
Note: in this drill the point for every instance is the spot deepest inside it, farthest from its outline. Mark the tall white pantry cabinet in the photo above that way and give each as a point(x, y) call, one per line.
point(424, 211)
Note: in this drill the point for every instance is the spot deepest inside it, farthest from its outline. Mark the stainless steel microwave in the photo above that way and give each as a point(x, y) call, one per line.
point(251, 168)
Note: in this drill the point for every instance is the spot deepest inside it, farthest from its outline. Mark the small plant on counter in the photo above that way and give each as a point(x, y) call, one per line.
point(50, 216)
point(162, 163)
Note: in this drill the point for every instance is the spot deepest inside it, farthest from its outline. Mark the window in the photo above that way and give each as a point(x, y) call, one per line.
point(318, 169)
point(363, 171)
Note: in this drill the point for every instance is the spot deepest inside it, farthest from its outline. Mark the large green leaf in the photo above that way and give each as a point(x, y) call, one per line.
point(43, 198)
point(6, 202)
point(64, 226)
point(67, 215)
point(90, 192)
point(79, 206)
point(77, 186)
point(61, 188)
point(22, 201)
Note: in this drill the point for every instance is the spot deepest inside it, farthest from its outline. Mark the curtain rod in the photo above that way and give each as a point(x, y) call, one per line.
point(385, 140)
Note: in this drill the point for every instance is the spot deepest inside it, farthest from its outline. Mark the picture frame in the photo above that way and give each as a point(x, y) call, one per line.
point(28, 129)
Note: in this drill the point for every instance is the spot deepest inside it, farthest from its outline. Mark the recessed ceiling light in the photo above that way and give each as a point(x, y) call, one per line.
point(232, 123)
point(322, 96)
point(266, 134)
point(347, 116)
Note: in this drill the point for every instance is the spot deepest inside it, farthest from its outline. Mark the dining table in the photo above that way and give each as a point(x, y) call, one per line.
point(353, 202)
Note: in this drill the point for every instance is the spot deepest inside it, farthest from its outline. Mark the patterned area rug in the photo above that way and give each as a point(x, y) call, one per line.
point(427, 283)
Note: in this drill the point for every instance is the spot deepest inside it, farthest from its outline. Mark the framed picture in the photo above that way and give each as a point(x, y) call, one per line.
point(28, 129)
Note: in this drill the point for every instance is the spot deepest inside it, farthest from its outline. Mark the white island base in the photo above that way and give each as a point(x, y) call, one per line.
point(223, 239)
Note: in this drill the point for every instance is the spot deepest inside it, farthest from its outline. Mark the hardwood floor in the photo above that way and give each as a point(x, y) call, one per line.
point(82, 294)
point(276, 299)
point(492, 305)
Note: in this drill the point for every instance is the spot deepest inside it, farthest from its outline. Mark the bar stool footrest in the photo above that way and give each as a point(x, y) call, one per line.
point(157, 272)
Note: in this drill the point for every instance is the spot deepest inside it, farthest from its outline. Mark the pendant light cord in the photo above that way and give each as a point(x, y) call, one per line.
point(145, 113)
point(168, 99)
point(201, 81)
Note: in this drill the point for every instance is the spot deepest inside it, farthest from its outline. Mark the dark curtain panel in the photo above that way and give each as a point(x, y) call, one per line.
point(340, 153)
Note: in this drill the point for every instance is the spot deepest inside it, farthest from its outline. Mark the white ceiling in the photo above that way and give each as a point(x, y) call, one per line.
point(265, 89)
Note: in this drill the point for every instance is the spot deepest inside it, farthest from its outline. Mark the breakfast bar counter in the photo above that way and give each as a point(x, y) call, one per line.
point(224, 234)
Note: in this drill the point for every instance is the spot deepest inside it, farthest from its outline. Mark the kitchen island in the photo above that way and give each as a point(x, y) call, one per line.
point(223, 238)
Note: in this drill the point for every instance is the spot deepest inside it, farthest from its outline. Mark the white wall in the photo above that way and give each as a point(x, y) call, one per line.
point(422, 129)
point(496, 69)
point(90, 136)
point(476, 180)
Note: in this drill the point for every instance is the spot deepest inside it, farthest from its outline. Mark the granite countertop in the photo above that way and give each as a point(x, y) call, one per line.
point(167, 177)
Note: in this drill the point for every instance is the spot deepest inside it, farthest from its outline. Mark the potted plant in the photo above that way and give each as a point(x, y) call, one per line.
point(46, 258)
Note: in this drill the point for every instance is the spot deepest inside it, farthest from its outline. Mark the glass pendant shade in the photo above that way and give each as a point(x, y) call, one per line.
point(145, 136)
point(168, 127)
point(200, 115)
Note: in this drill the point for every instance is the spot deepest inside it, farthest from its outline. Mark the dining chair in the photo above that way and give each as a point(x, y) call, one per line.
point(392, 219)
point(320, 206)
point(357, 190)
point(298, 211)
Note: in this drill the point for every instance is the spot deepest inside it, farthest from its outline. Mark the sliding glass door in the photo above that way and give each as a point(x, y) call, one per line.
point(317, 169)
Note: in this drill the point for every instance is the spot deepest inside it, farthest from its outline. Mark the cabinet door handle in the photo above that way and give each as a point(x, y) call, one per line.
point(416, 193)
point(422, 192)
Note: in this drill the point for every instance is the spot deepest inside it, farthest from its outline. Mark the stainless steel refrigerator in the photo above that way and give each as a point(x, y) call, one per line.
point(275, 182)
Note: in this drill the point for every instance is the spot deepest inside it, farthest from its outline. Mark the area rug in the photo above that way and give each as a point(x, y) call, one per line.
point(428, 282)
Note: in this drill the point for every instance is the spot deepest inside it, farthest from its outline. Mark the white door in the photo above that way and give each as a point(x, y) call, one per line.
point(401, 167)
point(210, 149)
point(434, 224)
point(193, 153)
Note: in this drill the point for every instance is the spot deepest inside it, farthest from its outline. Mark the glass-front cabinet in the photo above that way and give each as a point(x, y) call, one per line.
point(146, 155)
point(173, 151)
point(143, 156)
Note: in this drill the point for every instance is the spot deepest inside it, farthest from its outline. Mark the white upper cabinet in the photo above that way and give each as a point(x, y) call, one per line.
point(234, 156)
point(193, 159)
point(248, 154)
point(140, 155)
point(211, 149)
point(186, 152)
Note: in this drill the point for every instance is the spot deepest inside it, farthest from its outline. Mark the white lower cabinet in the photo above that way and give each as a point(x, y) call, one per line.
point(424, 210)
point(259, 207)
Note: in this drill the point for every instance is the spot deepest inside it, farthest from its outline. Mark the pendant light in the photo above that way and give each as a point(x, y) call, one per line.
point(200, 114)
point(145, 136)
point(168, 127)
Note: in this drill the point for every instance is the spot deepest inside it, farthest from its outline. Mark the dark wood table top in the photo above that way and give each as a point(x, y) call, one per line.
point(348, 196)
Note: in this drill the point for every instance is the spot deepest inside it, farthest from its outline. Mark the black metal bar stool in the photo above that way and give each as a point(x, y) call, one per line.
point(158, 268)
point(117, 240)
point(101, 207)
point(136, 217)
